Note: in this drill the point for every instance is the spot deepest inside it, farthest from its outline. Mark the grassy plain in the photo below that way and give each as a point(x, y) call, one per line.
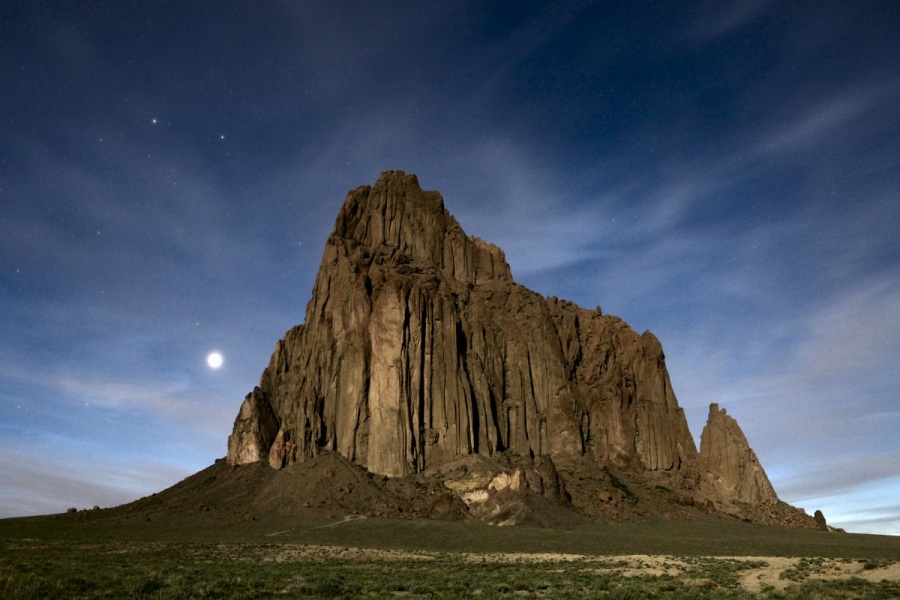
point(110, 554)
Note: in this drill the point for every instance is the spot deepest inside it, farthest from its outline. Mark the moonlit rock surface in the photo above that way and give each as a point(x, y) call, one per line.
point(419, 349)
point(729, 467)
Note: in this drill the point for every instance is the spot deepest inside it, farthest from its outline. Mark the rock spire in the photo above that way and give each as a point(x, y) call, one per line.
point(729, 469)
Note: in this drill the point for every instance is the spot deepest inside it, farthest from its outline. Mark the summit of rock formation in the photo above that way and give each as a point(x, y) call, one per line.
point(419, 350)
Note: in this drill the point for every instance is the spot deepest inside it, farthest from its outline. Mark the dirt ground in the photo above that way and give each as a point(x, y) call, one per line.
point(777, 573)
point(763, 572)
point(780, 571)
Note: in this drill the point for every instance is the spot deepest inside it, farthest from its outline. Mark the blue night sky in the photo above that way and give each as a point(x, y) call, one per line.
point(723, 173)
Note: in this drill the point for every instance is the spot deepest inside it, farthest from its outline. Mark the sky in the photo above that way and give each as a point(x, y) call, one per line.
point(725, 174)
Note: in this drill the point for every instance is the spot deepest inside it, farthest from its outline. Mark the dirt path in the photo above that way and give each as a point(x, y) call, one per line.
point(347, 519)
point(755, 580)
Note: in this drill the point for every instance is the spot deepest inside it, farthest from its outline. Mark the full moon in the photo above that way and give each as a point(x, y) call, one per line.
point(214, 360)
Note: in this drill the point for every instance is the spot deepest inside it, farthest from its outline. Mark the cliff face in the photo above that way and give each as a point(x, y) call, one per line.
point(419, 348)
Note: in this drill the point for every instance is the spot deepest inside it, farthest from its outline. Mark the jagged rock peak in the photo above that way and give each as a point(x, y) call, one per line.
point(398, 218)
point(730, 470)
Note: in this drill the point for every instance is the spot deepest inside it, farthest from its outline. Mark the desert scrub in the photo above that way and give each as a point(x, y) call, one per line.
point(803, 569)
point(854, 588)
point(722, 572)
point(156, 571)
point(871, 565)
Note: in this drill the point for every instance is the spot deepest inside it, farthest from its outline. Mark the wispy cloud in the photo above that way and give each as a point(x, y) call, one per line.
point(880, 519)
point(48, 485)
point(715, 19)
point(825, 122)
point(841, 474)
point(136, 201)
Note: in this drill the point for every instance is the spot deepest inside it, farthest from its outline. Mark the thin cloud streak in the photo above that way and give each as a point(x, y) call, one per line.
point(49, 486)
point(880, 520)
point(825, 122)
point(722, 18)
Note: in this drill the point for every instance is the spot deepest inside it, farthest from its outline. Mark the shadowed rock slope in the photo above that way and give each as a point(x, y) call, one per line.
point(420, 354)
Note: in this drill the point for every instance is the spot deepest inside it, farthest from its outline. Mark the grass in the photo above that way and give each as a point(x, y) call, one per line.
point(109, 556)
point(152, 570)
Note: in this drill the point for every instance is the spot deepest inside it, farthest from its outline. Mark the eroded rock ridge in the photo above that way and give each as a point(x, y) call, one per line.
point(418, 348)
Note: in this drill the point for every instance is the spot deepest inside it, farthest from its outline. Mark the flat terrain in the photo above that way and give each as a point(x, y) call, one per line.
point(123, 553)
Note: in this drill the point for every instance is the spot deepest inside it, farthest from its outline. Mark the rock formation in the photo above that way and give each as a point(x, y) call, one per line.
point(729, 469)
point(503, 496)
point(418, 349)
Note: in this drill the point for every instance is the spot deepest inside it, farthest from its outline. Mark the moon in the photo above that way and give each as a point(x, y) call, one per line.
point(214, 360)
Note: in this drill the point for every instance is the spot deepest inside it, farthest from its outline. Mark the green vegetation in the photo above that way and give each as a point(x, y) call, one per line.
point(33, 569)
point(109, 556)
point(617, 483)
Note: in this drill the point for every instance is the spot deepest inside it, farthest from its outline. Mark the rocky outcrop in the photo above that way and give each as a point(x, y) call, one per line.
point(255, 428)
point(503, 495)
point(418, 349)
point(629, 413)
point(729, 469)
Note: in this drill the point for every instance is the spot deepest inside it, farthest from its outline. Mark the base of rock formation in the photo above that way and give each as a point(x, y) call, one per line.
point(503, 491)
